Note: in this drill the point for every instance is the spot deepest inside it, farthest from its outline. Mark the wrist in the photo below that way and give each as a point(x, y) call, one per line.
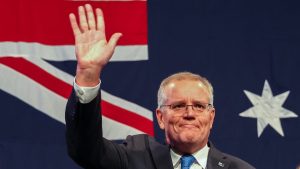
point(87, 78)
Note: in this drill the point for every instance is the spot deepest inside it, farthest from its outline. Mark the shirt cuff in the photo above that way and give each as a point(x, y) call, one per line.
point(86, 94)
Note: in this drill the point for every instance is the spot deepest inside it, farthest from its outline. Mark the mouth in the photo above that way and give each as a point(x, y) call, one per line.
point(185, 127)
point(188, 126)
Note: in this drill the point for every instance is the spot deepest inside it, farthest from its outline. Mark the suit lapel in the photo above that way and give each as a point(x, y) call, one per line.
point(216, 159)
point(161, 155)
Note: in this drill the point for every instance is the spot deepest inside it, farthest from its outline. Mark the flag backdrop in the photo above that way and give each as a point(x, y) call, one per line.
point(250, 51)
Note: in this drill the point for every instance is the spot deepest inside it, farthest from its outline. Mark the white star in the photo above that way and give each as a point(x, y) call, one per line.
point(267, 109)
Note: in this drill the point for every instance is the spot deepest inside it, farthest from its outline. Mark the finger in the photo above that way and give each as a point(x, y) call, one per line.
point(100, 20)
point(112, 43)
point(74, 25)
point(82, 19)
point(90, 17)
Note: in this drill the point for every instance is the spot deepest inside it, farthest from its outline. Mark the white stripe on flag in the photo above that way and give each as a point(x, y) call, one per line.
point(66, 52)
point(65, 77)
point(132, 107)
point(116, 131)
point(32, 93)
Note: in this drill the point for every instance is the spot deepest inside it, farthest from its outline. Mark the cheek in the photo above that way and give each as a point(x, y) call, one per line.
point(171, 124)
point(165, 122)
point(206, 122)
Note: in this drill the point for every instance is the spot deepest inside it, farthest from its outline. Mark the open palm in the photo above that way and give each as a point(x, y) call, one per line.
point(92, 49)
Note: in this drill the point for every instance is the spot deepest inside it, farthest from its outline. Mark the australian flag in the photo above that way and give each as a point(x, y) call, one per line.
point(249, 50)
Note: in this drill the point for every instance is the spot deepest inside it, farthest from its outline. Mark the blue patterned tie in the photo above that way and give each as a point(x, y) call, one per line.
point(187, 161)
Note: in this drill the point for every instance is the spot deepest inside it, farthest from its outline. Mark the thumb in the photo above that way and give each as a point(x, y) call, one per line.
point(114, 40)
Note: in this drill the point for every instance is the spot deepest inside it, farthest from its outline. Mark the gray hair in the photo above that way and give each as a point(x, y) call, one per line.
point(161, 96)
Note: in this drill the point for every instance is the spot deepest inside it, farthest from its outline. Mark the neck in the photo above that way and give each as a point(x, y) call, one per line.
point(186, 148)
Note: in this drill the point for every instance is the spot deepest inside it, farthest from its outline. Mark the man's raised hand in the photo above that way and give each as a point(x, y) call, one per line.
point(92, 49)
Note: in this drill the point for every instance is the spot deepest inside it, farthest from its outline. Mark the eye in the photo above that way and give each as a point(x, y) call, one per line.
point(177, 106)
point(199, 106)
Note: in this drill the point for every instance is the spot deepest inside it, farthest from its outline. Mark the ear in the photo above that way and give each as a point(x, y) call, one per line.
point(212, 117)
point(160, 120)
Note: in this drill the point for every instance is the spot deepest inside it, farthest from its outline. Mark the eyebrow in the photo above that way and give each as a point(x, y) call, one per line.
point(193, 102)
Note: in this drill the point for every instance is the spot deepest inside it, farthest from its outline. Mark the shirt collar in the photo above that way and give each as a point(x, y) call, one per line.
point(200, 156)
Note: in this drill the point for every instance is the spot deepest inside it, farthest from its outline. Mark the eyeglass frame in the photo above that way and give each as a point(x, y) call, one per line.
point(185, 107)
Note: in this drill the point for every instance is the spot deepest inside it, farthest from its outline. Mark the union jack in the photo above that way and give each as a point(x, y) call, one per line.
point(38, 34)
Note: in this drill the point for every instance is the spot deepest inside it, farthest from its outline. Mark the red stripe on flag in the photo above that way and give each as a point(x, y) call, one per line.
point(39, 75)
point(126, 117)
point(47, 21)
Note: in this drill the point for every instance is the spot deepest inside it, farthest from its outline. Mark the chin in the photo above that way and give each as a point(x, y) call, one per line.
point(189, 137)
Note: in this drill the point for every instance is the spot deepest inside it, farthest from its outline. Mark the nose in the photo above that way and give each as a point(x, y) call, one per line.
point(189, 112)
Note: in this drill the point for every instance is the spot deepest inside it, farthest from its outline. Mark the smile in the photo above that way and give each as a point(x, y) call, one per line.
point(188, 126)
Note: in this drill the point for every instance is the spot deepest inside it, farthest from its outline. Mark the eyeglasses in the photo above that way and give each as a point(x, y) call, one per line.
point(181, 107)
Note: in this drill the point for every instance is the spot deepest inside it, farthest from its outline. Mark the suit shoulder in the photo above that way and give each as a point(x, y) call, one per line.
point(218, 158)
point(237, 163)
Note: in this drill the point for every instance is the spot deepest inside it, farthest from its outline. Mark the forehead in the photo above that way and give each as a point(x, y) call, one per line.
point(186, 89)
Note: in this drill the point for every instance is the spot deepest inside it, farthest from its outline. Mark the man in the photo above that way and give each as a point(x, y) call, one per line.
point(185, 112)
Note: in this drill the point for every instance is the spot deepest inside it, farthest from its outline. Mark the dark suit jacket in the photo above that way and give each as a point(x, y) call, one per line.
point(90, 150)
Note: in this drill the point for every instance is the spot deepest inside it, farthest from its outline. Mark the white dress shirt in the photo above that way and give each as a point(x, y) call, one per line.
point(86, 94)
point(200, 156)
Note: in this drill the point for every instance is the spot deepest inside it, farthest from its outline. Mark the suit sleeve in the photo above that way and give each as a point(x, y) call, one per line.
point(85, 141)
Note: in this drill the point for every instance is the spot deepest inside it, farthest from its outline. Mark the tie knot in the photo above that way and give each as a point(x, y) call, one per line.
point(187, 161)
